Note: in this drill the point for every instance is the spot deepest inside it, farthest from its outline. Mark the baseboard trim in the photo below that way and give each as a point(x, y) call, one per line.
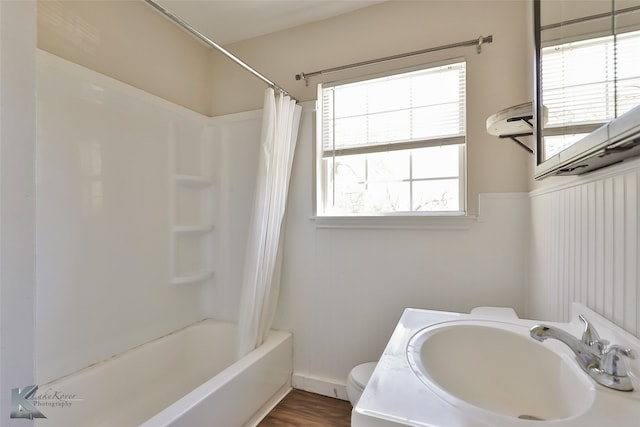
point(323, 386)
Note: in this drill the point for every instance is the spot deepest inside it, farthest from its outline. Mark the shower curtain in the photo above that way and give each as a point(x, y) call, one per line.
point(263, 261)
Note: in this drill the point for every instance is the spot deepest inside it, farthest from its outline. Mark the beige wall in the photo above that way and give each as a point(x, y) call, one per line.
point(500, 77)
point(129, 41)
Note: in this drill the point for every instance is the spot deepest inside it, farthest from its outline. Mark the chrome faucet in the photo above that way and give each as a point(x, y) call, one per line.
point(603, 362)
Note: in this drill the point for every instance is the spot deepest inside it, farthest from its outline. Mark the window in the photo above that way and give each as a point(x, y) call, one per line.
point(393, 144)
point(586, 84)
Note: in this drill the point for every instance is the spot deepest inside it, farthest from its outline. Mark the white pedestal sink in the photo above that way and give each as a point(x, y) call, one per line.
point(494, 369)
point(466, 370)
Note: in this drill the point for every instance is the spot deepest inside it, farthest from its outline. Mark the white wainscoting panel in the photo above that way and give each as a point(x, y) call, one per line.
point(584, 247)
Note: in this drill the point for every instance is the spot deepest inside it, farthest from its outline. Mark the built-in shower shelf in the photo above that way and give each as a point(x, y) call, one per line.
point(192, 248)
point(195, 181)
point(192, 278)
point(193, 229)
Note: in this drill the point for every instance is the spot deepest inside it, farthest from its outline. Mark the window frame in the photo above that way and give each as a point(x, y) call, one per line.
point(319, 154)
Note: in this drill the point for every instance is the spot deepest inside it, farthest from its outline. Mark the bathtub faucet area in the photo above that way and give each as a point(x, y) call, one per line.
point(603, 362)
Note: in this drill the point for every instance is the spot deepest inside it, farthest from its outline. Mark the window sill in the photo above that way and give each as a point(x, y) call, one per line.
point(425, 222)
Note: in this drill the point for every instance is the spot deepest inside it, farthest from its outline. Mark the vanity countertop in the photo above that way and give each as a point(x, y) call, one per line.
point(395, 396)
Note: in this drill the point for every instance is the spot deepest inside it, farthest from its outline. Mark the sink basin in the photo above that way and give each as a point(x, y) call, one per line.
point(497, 371)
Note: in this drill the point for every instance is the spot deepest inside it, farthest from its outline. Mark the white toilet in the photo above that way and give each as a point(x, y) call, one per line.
point(358, 379)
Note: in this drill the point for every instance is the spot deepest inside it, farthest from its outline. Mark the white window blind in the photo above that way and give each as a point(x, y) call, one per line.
point(398, 109)
point(627, 71)
point(384, 143)
point(586, 84)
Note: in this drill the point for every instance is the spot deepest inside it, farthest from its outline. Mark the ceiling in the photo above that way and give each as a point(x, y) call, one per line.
point(229, 21)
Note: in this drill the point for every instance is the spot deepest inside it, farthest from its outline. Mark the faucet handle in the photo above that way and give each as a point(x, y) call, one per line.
point(611, 360)
point(591, 338)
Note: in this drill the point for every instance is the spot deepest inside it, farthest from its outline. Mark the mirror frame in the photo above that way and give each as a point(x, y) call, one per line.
point(537, 93)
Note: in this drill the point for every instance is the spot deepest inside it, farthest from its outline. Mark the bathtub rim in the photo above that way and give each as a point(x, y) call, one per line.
point(189, 401)
point(167, 415)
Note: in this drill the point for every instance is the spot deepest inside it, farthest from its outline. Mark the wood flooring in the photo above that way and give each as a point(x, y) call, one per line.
point(303, 409)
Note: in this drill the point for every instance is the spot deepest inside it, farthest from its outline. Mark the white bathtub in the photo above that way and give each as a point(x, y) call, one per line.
point(187, 378)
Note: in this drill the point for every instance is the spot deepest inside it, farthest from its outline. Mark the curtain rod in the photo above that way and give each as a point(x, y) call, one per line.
point(476, 42)
point(591, 17)
point(197, 34)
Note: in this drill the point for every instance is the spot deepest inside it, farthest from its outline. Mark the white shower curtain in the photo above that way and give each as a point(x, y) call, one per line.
point(262, 270)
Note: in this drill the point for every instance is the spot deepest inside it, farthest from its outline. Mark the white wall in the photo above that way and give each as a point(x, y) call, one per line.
point(104, 216)
point(17, 202)
point(344, 289)
point(585, 246)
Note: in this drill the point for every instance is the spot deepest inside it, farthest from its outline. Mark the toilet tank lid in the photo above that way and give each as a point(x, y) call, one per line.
point(496, 312)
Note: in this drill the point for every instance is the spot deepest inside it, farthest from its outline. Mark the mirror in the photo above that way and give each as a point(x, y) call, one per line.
point(587, 84)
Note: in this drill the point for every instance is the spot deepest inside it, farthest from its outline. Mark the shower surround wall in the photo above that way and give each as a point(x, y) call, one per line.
point(142, 215)
point(110, 213)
